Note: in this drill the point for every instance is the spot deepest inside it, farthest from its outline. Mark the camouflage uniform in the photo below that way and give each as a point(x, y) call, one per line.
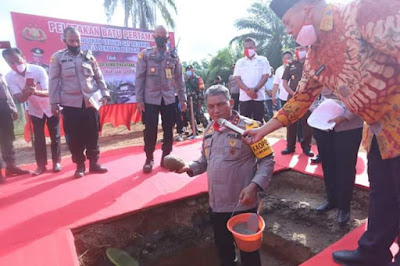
point(195, 89)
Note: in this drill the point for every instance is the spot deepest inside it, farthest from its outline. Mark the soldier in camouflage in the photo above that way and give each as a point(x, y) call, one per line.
point(195, 89)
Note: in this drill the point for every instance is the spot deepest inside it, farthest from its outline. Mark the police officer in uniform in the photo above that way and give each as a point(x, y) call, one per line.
point(195, 90)
point(235, 173)
point(8, 113)
point(37, 54)
point(156, 69)
point(75, 83)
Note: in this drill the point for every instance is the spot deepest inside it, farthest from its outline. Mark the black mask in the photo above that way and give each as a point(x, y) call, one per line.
point(161, 42)
point(74, 50)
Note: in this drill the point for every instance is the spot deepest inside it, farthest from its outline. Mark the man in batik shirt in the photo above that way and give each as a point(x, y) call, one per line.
point(354, 51)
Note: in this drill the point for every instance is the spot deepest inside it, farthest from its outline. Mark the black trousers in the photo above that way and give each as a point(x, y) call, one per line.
point(179, 117)
point(338, 151)
point(150, 120)
point(6, 134)
point(384, 208)
point(53, 124)
point(292, 130)
point(253, 109)
point(235, 97)
point(82, 126)
point(225, 242)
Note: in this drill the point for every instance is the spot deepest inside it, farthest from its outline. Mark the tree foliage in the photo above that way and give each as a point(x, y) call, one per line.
point(143, 13)
point(266, 28)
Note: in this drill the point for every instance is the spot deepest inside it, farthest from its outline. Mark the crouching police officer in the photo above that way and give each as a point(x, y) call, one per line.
point(71, 86)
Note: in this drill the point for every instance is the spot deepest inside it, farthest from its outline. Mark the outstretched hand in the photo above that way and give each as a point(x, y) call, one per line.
point(252, 135)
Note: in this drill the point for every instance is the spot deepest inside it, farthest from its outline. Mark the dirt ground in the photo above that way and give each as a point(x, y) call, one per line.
point(180, 233)
point(110, 139)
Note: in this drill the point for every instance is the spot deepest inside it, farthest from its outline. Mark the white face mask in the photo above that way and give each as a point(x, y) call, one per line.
point(252, 52)
point(307, 36)
point(21, 68)
point(302, 54)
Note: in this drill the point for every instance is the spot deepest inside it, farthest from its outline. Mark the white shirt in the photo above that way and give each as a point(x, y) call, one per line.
point(37, 106)
point(251, 72)
point(283, 94)
point(269, 86)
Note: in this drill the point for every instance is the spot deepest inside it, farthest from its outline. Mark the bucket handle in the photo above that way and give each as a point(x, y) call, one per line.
point(237, 206)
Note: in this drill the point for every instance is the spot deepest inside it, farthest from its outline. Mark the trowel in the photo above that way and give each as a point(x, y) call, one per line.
point(252, 222)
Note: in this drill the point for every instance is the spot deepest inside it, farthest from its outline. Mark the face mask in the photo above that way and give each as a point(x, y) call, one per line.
point(301, 54)
point(285, 62)
point(21, 68)
point(189, 73)
point(161, 42)
point(74, 50)
point(307, 36)
point(249, 52)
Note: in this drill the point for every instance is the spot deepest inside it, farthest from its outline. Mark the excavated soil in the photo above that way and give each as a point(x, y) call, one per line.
point(180, 233)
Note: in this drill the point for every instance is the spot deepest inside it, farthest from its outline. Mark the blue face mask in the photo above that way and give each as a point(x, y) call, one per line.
point(189, 73)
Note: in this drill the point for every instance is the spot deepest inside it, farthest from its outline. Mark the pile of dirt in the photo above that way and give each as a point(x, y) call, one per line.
point(181, 231)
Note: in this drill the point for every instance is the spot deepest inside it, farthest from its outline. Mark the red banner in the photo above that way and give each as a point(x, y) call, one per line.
point(115, 48)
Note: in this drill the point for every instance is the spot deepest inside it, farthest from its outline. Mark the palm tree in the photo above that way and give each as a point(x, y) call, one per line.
point(143, 13)
point(266, 28)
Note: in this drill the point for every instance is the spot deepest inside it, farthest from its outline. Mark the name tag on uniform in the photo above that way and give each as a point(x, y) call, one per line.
point(168, 73)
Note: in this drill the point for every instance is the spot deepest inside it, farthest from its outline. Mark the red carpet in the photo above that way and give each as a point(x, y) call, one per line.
point(301, 163)
point(37, 213)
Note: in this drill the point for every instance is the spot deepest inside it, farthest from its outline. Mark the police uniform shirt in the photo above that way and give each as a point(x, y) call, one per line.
point(74, 79)
point(37, 105)
point(293, 74)
point(5, 95)
point(156, 74)
point(231, 166)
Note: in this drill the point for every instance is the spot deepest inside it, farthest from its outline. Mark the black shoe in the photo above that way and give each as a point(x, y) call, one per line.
point(309, 153)
point(56, 167)
point(148, 166)
point(350, 257)
point(287, 151)
point(317, 159)
point(39, 170)
point(326, 206)
point(15, 171)
point(162, 159)
point(343, 217)
point(97, 168)
point(80, 170)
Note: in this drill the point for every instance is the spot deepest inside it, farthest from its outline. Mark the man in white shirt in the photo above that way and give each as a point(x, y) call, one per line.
point(251, 74)
point(29, 83)
point(278, 83)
